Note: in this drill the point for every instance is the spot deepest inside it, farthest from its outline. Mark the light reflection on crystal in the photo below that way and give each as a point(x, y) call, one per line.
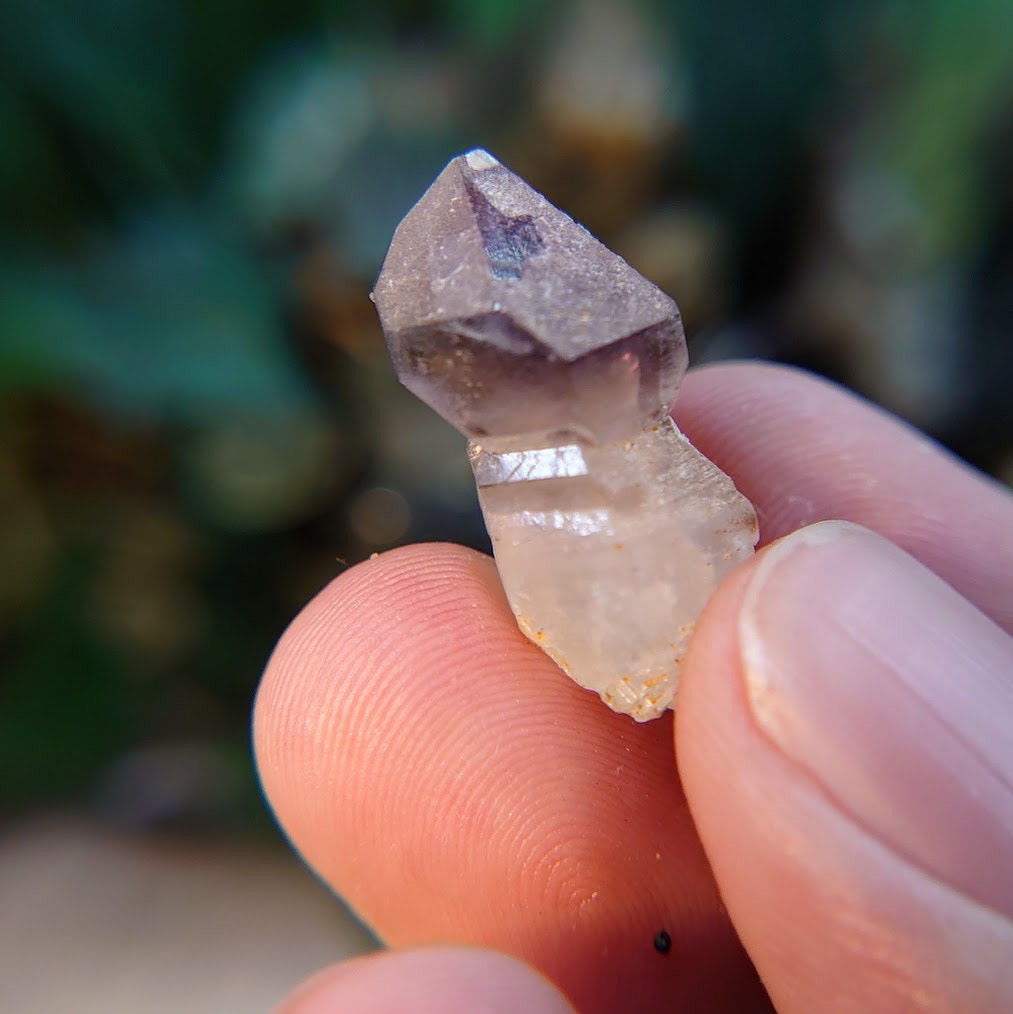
point(525, 466)
point(577, 522)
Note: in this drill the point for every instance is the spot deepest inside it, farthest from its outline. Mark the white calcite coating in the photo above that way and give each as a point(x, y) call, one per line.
point(608, 558)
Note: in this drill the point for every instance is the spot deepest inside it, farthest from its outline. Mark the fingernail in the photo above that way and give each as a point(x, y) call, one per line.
point(894, 694)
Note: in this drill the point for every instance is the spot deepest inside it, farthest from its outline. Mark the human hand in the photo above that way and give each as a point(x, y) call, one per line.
point(838, 803)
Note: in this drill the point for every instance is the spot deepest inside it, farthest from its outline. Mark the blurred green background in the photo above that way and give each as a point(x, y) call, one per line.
point(200, 425)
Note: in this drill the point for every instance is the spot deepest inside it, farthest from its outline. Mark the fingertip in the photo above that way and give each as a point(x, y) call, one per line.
point(350, 629)
point(442, 774)
point(428, 981)
point(855, 835)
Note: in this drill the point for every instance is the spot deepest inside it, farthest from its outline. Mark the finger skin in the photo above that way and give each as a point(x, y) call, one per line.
point(431, 981)
point(442, 774)
point(805, 450)
point(837, 913)
point(440, 771)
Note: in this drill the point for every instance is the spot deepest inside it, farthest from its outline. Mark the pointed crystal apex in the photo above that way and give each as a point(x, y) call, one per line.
point(479, 159)
point(515, 323)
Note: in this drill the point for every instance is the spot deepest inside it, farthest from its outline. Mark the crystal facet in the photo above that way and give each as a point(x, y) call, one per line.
point(560, 363)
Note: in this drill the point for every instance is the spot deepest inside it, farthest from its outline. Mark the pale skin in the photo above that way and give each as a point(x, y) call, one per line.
point(826, 824)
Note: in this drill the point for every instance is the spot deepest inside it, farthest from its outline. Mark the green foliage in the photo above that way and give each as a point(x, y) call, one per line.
point(65, 705)
point(195, 197)
point(170, 320)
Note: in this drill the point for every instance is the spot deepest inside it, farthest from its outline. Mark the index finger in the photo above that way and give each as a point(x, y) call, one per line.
point(804, 450)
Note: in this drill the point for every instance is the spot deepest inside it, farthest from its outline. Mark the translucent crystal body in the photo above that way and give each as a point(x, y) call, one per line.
point(559, 362)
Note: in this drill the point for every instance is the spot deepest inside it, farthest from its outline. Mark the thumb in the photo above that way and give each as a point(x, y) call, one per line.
point(844, 738)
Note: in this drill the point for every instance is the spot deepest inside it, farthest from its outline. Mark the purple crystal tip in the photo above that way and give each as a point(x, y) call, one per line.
point(509, 318)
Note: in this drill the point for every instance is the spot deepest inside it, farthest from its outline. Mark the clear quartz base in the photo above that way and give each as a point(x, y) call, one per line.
point(608, 553)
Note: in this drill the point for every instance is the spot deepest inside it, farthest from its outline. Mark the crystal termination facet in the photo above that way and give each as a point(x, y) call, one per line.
point(560, 363)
